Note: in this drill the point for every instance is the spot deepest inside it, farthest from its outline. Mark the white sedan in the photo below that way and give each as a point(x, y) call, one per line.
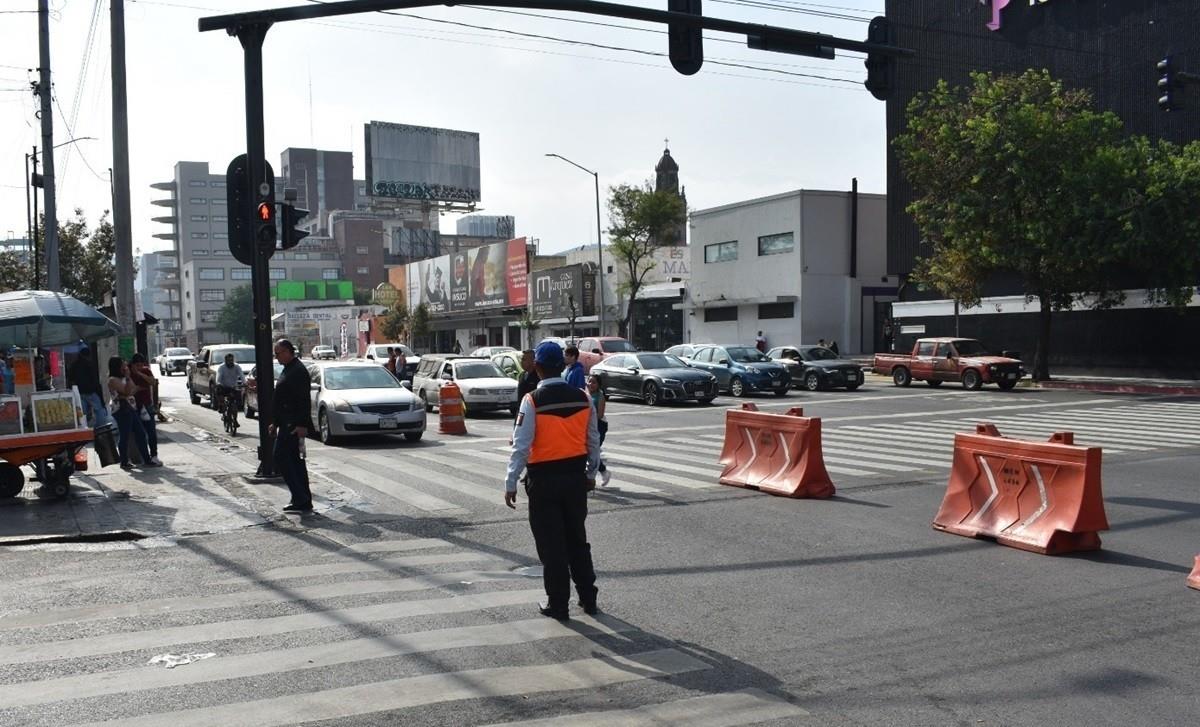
point(354, 398)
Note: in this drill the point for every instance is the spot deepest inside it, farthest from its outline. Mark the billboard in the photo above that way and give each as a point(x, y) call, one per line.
point(481, 278)
point(553, 291)
point(421, 162)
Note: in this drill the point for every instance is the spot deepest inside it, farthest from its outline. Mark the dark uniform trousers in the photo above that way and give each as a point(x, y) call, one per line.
point(557, 489)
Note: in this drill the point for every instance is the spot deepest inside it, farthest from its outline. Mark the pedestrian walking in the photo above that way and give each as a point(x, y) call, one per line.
point(143, 396)
point(401, 364)
point(124, 410)
point(390, 364)
point(457, 346)
point(291, 420)
point(557, 443)
point(600, 403)
point(82, 375)
point(10, 376)
point(528, 380)
point(833, 347)
point(821, 342)
point(574, 370)
point(760, 342)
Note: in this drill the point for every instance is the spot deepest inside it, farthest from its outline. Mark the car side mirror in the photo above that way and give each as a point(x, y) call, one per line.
point(447, 377)
point(633, 369)
point(315, 387)
point(407, 385)
point(723, 361)
point(595, 350)
point(949, 356)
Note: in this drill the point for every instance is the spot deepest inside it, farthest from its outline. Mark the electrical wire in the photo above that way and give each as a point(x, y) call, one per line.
point(71, 131)
point(84, 66)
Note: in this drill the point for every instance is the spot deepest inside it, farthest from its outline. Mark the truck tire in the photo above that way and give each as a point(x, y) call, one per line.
point(934, 382)
point(971, 380)
point(901, 376)
point(1006, 385)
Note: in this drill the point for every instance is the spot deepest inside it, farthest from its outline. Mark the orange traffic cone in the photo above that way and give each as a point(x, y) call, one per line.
point(450, 410)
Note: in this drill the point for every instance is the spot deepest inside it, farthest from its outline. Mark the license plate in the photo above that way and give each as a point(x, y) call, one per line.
point(387, 422)
point(851, 377)
point(777, 384)
point(1012, 376)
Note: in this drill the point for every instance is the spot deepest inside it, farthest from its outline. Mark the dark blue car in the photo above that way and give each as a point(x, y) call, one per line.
point(741, 370)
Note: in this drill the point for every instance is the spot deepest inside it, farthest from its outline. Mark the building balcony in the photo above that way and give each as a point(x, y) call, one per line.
point(165, 186)
point(164, 202)
point(167, 220)
point(166, 236)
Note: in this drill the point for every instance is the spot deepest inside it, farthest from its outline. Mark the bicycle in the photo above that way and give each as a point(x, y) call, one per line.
point(229, 410)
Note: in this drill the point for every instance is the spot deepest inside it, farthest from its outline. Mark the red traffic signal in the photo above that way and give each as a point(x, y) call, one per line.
point(265, 212)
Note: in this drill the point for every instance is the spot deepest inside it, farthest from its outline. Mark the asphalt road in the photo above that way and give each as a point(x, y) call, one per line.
point(722, 606)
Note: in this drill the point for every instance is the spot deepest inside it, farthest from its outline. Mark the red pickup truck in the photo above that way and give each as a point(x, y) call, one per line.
point(935, 360)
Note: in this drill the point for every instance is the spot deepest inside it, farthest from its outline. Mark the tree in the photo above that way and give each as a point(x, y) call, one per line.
point(14, 273)
point(419, 325)
point(86, 258)
point(236, 318)
point(394, 324)
point(1019, 175)
point(642, 220)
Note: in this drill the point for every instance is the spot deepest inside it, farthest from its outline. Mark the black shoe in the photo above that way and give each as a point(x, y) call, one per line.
point(589, 607)
point(559, 614)
point(297, 508)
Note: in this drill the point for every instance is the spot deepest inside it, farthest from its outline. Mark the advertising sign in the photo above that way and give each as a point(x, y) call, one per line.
point(420, 162)
point(481, 278)
point(554, 289)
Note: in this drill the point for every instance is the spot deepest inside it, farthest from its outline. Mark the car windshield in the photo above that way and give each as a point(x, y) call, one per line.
point(660, 361)
point(970, 348)
point(322, 348)
point(745, 354)
point(819, 353)
point(478, 370)
point(240, 355)
point(178, 352)
point(619, 347)
point(359, 377)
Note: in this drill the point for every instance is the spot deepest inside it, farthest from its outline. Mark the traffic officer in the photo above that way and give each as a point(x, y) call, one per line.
point(557, 442)
point(291, 421)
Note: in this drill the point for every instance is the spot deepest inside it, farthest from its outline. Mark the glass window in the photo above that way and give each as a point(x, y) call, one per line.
point(239, 274)
point(212, 295)
point(218, 184)
point(197, 183)
point(478, 370)
point(364, 271)
point(359, 377)
point(617, 346)
point(299, 256)
point(925, 348)
point(704, 355)
point(721, 315)
point(220, 218)
point(775, 244)
point(720, 252)
point(278, 274)
point(220, 252)
point(199, 218)
point(745, 354)
point(198, 200)
point(209, 316)
point(659, 361)
point(818, 353)
point(616, 362)
point(967, 347)
point(199, 253)
point(776, 310)
point(212, 274)
point(330, 273)
point(220, 235)
point(361, 250)
point(199, 235)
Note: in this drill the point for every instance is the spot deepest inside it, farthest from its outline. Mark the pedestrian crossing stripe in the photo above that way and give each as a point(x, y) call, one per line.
point(359, 566)
point(748, 706)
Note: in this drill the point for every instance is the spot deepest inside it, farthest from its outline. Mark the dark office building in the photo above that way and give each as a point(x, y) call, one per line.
point(323, 180)
point(1109, 47)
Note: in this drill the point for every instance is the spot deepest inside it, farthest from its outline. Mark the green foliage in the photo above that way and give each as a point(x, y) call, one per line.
point(642, 220)
point(394, 323)
point(419, 321)
point(86, 258)
point(236, 319)
point(14, 273)
point(362, 296)
point(1018, 175)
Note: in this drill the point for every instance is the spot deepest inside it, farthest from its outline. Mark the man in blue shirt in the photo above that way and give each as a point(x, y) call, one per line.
point(574, 370)
point(557, 442)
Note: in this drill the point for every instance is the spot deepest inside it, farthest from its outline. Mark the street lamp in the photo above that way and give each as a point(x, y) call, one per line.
point(599, 243)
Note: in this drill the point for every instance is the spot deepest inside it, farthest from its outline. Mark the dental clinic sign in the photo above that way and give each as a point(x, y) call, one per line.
point(999, 5)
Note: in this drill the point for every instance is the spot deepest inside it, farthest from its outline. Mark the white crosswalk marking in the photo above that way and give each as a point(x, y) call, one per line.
point(749, 706)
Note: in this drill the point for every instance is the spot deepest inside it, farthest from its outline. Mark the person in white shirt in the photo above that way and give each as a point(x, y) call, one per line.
point(229, 380)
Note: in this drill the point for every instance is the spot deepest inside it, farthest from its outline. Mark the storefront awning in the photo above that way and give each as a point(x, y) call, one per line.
point(725, 302)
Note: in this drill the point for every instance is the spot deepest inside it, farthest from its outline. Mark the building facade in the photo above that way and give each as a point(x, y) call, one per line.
point(793, 265)
point(323, 180)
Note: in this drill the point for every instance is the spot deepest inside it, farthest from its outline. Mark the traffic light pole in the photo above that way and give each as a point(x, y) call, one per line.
point(251, 37)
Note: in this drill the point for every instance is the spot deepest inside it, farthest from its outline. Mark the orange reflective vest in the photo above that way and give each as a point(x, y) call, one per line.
point(561, 424)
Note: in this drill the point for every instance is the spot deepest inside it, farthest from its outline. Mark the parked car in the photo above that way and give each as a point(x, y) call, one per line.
point(816, 367)
point(250, 396)
point(378, 352)
point(489, 351)
point(174, 359)
point(683, 351)
point(937, 360)
point(323, 353)
point(654, 378)
point(741, 370)
point(484, 386)
point(203, 370)
point(352, 398)
point(594, 350)
point(510, 363)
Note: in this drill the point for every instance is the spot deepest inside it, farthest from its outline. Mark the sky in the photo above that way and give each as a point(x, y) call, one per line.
point(737, 133)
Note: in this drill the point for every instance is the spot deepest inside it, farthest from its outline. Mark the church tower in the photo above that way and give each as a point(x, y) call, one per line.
point(666, 179)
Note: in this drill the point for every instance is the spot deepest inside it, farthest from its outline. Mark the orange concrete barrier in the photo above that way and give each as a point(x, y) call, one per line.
point(1039, 496)
point(1194, 578)
point(775, 453)
point(450, 410)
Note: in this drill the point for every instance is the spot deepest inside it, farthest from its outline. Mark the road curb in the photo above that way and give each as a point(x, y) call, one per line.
point(1116, 388)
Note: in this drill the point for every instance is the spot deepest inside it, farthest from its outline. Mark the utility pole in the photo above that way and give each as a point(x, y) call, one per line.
point(122, 230)
point(53, 278)
point(37, 246)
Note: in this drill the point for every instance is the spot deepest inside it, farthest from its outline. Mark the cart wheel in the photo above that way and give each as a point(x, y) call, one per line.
point(12, 480)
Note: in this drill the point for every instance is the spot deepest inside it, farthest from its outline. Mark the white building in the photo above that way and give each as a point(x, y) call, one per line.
point(789, 265)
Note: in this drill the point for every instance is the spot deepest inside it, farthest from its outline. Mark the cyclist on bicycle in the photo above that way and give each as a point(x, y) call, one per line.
point(230, 381)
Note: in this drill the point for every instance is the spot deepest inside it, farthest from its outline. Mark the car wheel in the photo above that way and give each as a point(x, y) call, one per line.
point(413, 436)
point(781, 392)
point(736, 387)
point(192, 395)
point(1006, 385)
point(323, 426)
point(901, 376)
point(934, 382)
point(812, 381)
point(852, 387)
point(650, 393)
point(971, 380)
point(428, 406)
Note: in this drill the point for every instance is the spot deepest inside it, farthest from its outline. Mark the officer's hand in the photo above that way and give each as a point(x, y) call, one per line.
point(591, 484)
point(271, 430)
point(510, 499)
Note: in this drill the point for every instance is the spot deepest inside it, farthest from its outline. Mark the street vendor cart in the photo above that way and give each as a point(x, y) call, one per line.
point(45, 430)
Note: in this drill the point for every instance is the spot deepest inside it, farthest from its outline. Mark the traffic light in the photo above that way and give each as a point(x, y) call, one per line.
point(246, 210)
point(1166, 85)
point(880, 68)
point(265, 233)
point(289, 217)
point(685, 42)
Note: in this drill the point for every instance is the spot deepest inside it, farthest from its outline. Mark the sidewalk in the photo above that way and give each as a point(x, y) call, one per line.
point(201, 489)
point(1122, 385)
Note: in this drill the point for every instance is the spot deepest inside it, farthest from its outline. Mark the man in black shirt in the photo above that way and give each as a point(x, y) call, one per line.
point(291, 419)
point(82, 375)
point(528, 380)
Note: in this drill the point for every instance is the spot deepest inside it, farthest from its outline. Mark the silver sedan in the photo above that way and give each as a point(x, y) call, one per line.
point(354, 398)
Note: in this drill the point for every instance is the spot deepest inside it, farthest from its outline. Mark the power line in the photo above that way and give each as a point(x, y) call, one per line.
point(71, 131)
